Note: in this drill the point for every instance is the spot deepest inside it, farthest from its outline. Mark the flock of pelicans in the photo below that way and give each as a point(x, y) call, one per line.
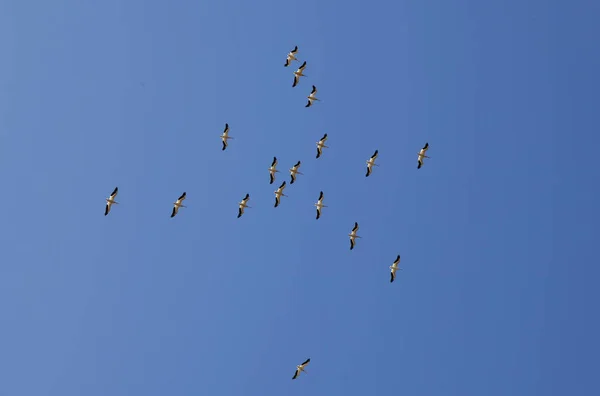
point(293, 174)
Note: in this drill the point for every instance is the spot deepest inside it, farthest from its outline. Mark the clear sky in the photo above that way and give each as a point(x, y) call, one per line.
point(499, 289)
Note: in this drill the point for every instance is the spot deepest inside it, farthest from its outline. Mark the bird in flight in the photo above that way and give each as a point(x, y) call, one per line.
point(291, 56)
point(299, 73)
point(312, 97)
point(422, 155)
point(178, 204)
point(111, 200)
point(300, 368)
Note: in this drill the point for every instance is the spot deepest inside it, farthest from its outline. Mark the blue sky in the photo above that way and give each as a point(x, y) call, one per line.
point(498, 293)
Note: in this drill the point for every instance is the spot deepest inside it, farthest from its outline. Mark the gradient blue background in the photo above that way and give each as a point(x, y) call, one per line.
point(499, 291)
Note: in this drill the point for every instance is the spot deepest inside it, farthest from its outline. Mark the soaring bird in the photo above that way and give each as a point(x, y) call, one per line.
point(294, 171)
point(320, 205)
point(300, 368)
point(111, 200)
point(291, 56)
point(225, 136)
point(243, 205)
point(353, 235)
point(299, 73)
point(393, 268)
point(321, 145)
point(312, 97)
point(178, 204)
point(279, 193)
point(273, 170)
point(371, 162)
point(422, 155)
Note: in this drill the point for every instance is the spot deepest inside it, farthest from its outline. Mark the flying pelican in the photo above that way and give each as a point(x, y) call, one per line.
point(178, 204)
point(321, 145)
point(273, 170)
point(312, 97)
point(353, 235)
point(394, 267)
point(243, 205)
point(111, 200)
point(279, 193)
point(294, 172)
point(320, 205)
point(371, 162)
point(300, 368)
point(422, 155)
point(225, 136)
point(299, 73)
point(291, 56)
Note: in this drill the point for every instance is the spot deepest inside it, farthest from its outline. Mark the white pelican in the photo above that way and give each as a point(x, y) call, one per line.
point(225, 136)
point(279, 193)
point(273, 170)
point(300, 368)
point(294, 172)
point(312, 97)
point(353, 235)
point(320, 205)
point(291, 56)
point(321, 145)
point(178, 204)
point(243, 205)
point(371, 162)
point(111, 200)
point(299, 73)
point(422, 155)
point(394, 267)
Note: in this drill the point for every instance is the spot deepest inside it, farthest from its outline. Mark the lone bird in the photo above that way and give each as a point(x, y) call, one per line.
point(320, 205)
point(299, 73)
point(273, 170)
point(393, 268)
point(243, 205)
point(422, 155)
point(225, 136)
point(300, 368)
point(279, 193)
point(312, 97)
point(294, 172)
point(178, 204)
point(111, 200)
point(291, 56)
point(371, 162)
point(321, 145)
point(353, 235)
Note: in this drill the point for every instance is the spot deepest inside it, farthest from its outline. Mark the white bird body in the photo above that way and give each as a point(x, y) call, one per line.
point(178, 204)
point(243, 205)
point(111, 200)
point(312, 97)
point(300, 368)
point(273, 170)
point(299, 73)
point(422, 155)
point(321, 145)
point(394, 268)
point(279, 193)
point(353, 235)
point(294, 171)
point(320, 205)
point(291, 56)
point(225, 136)
point(371, 162)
